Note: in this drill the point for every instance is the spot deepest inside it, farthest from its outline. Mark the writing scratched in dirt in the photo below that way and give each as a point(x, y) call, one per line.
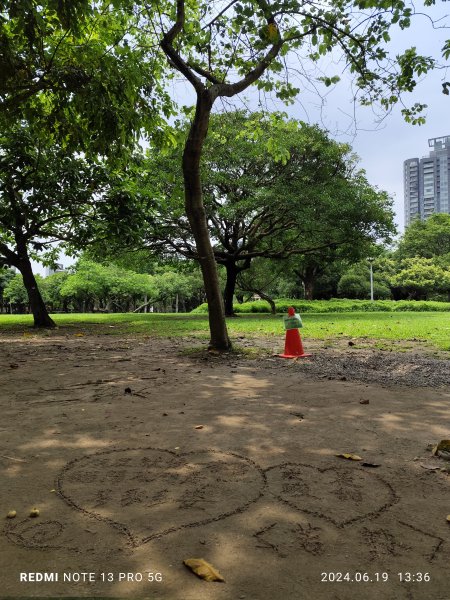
point(192, 489)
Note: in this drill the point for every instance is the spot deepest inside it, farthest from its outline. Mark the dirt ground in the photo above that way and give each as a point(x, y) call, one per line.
point(139, 455)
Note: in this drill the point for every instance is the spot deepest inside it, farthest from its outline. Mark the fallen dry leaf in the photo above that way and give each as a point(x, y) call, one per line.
point(349, 456)
point(199, 427)
point(442, 449)
point(203, 569)
point(430, 466)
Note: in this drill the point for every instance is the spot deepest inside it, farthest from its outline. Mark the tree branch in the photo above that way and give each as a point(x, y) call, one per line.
point(10, 256)
point(223, 11)
point(175, 59)
point(231, 89)
point(281, 254)
point(206, 74)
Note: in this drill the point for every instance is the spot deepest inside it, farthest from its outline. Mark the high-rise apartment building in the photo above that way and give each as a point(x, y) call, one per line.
point(427, 181)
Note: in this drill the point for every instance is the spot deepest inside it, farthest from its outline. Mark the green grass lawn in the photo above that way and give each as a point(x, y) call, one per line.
point(430, 327)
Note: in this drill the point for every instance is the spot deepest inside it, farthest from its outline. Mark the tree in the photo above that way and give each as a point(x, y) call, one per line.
point(5, 277)
point(52, 285)
point(209, 43)
point(309, 268)
point(308, 276)
point(94, 286)
point(51, 195)
point(16, 293)
point(355, 283)
point(426, 239)
point(176, 287)
point(311, 202)
point(47, 195)
point(423, 258)
point(71, 87)
point(262, 278)
point(80, 72)
point(420, 277)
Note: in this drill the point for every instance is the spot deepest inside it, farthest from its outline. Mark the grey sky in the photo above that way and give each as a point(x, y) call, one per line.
point(383, 146)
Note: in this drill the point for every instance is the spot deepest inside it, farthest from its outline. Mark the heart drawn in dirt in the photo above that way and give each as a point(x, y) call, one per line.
point(148, 492)
point(341, 495)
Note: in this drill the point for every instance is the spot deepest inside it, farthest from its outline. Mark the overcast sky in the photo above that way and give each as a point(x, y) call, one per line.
point(383, 146)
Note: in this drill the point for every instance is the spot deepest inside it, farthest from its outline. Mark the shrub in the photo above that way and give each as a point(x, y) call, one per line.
point(335, 305)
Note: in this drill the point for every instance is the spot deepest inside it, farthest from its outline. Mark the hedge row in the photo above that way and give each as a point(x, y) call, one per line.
point(336, 305)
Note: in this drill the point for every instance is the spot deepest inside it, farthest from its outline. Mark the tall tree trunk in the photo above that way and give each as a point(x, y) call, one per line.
point(309, 288)
point(308, 277)
point(37, 305)
point(268, 299)
point(195, 212)
point(230, 286)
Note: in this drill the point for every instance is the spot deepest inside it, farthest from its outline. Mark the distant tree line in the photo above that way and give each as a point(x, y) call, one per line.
point(418, 269)
point(94, 287)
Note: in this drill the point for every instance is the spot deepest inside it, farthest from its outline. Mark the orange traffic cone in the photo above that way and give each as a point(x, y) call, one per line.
point(293, 347)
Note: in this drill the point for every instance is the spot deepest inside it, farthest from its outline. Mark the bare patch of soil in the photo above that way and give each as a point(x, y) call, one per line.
point(139, 455)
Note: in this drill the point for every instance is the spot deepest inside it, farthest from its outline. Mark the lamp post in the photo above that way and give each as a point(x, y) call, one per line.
point(370, 259)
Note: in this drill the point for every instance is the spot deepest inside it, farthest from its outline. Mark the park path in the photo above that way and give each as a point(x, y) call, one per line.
point(139, 456)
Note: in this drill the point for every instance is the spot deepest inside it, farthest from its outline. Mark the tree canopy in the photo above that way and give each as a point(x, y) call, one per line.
point(426, 239)
point(355, 282)
point(307, 199)
point(80, 72)
point(419, 277)
point(418, 269)
point(50, 194)
point(104, 286)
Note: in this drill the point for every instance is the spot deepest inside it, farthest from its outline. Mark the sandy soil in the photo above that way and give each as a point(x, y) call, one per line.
point(101, 435)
